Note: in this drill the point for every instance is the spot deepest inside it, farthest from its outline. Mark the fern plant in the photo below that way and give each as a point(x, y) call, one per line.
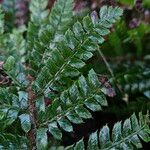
point(125, 135)
point(135, 80)
point(49, 91)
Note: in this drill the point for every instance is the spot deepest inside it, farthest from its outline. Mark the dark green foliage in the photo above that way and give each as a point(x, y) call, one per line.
point(136, 80)
point(9, 8)
point(74, 49)
point(10, 107)
point(125, 135)
point(49, 89)
point(50, 32)
point(73, 104)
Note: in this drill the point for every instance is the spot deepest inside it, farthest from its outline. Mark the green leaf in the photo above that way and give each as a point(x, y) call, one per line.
point(82, 112)
point(87, 23)
point(54, 130)
point(25, 122)
point(12, 114)
point(136, 141)
point(135, 125)
point(126, 146)
point(126, 127)
point(116, 132)
point(86, 55)
point(42, 140)
point(9, 64)
point(83, 85)
point(74, 118)
point(144, 136)
point(102, 31)
point(71, 72)
point(103, 12)
point(65, 124)
point(96, 38)
point(147, 94)
point(78, 30)
point(101, 99)
point(74, 92)
point(2, 115)
point(71, 49)
point(92, 105)
point(71, 41)
point(92, 77)
point(64, 97)
point(23, 99)
point(38, 12)
point(90, 46)
point(77, 63)
point(61, 16)
point(93, 141)
point(79, 145)
point(104, 137)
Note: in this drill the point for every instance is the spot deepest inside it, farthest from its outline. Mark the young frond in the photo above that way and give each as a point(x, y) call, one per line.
point(127, 135)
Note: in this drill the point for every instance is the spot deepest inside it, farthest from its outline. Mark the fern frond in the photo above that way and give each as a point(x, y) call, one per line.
point(32, 34)
point(59, 23)
point(9, 10)
point(13, 44)
point(16, 72)
point(10, 141)
point(38, 17)
point(124, 136)
point(38, 12)
point(76, 47)
point(59, 20)
point(135, 80)
point(73, 105)
point(9, 108)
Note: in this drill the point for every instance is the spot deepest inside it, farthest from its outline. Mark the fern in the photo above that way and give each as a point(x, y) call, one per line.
point(8, 7)
point(38, 12)
point(77, 47)
point(49, 93)
point(71, 105)
point(59, 23)
point(10, 141)
point(12, 42)
point(10, 107)
point(48, 35)
point(135, 80)
point(124, 136)
point(38, 18)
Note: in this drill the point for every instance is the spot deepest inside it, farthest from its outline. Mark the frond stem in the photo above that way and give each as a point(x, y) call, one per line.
point(106, 63)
